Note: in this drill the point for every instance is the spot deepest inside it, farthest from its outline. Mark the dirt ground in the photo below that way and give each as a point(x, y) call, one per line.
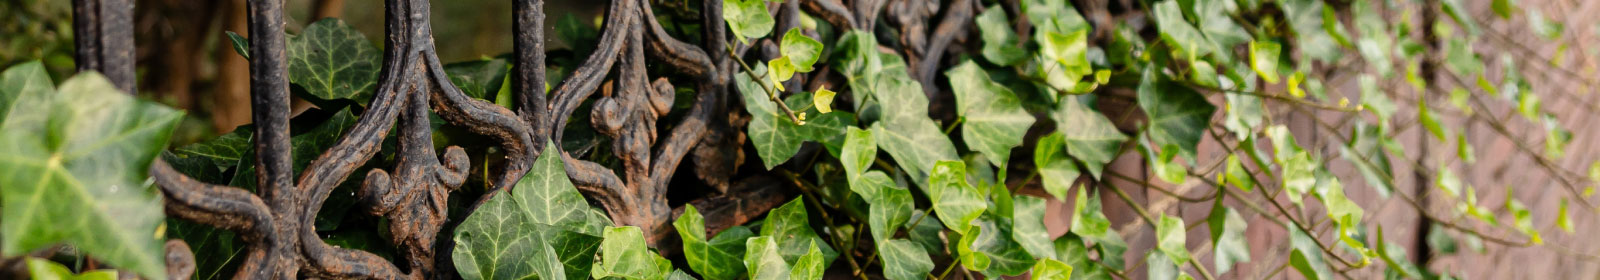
point(1567, 87)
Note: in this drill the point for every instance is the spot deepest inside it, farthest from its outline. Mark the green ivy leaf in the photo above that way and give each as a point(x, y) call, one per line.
point(1178, 115)
point(678, 274)
point(1001, 45)
point(956, 202)
point(1090, 222)
point(624, 255)
point(927, 231)
point(75, 169)
point(1313, 40)
point(240, 44)
point(1063, 58)
point(859, 151)
point(763, 260)
point(1264, 59)
point(332, 60)
point(1212, 15)
point(1179, 34)
point(801, 50)
point(1056, 172)
point(775, 137)
point(890, 207)
point(747, 18)
point(1227, 237)
point(792, 229)
point(207, 161)
point(718, 258)
point(1376, 44)
point(1089, 136)
point(823, 99)
point(514, 234)
point(994, 119)
point(906, 132)
point(990, 248)
point(1049, 269)
point(809, 266)
point(481, 79)
point(42, 269)
point(1306, 256)
point(1028, 226)
point(904, 260)
point(1170, 239)
point(1164, 162)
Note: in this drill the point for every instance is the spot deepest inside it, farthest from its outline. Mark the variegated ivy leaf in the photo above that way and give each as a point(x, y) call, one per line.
point(1299, 168)
point(775, 136)
point(858, 153)
point(715, 259)
point(514, 234)
point(624, 255)
point(891, 205)
point(1179, 34)
point(747, 18)
point(1227, 237)
point(1089, 136)
point(766, 263)
point(904, 260)
point(1306, 256)
point(994, 121)
point(1521, 218)
point(1027, 219)
point(1001, 45)
point(332, 60)
point(74, 169)
point(1264, 59)
point(1053, 16)
point(1063, 59)
point(906, 132)
point(956, 202)
point(1057, 172)
point(1214, 22)
point(1170, 236)
point(1178, 115)
point(1367, 152)
point(1048, 269)
point(1376, 43)
point(791, 228)
point(1313, 40)
point(1090, 223)
point(1070, 250)
point(801, 50)
point(987, 247)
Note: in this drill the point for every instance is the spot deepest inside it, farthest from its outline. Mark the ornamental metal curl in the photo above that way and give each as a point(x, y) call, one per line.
point(277, 220)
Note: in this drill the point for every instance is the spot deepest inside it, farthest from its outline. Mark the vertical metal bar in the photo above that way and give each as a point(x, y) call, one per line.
point(529, 79)
point(269, 102)
point(104, 30)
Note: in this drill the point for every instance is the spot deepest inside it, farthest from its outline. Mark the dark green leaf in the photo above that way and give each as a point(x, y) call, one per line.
point(791, 227)
point(1178, 115)
point(1307, 256)
point(240, 44)
point(515, 234)
point(333, 60)
point(479, 79)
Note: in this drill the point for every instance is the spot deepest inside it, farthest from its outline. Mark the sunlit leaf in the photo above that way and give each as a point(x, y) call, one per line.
point(715, 259)
point(75, 169)
point(1051, 270)
point(1170, 235)
point(801, 50)
point(791, 228)
point(624, 255)
point(956, 202)
point(1000, 43)
point(1057, 172)
point(994, 119)
point(747, 18)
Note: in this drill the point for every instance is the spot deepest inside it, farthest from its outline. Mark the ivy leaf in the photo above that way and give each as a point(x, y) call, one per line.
point(1063, 59)
point(809, 266)
point(1089, 136)
point(1212, 15)
point(43, 269)
point(1028, 226)
point(504, 236)
point(763, 259)
point(719, 258)
point(823, 99)
point(990, 243)
point(747, 18)
point(1307, 256)
point(1395, 256)
point(1366, 152)
point(1170, 239)
point(1090, 223)
point(906, 132)
point(1001, 45)
point(777, 138)
point(1299, 169)
point(904, 260)
point(994, 119)
point(801, 50)
point(890, 207)
point(954, 201)
point(859, 151)
point(927, 231)
point(1070, 250)
point(1048, 269)
point(678, 274)
point(1245, 114)
point(1159, 266)
point(1264, 59)
point(1314, 41)
point(332, 60)
point(792, 229)
point(623, 254)
point(1227, 237)
point(75, 169)
point(1178, 33)
point(1056, 171)
point(1178, 115)
point(240, 44)
point(479, 79)
point(206, 161)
